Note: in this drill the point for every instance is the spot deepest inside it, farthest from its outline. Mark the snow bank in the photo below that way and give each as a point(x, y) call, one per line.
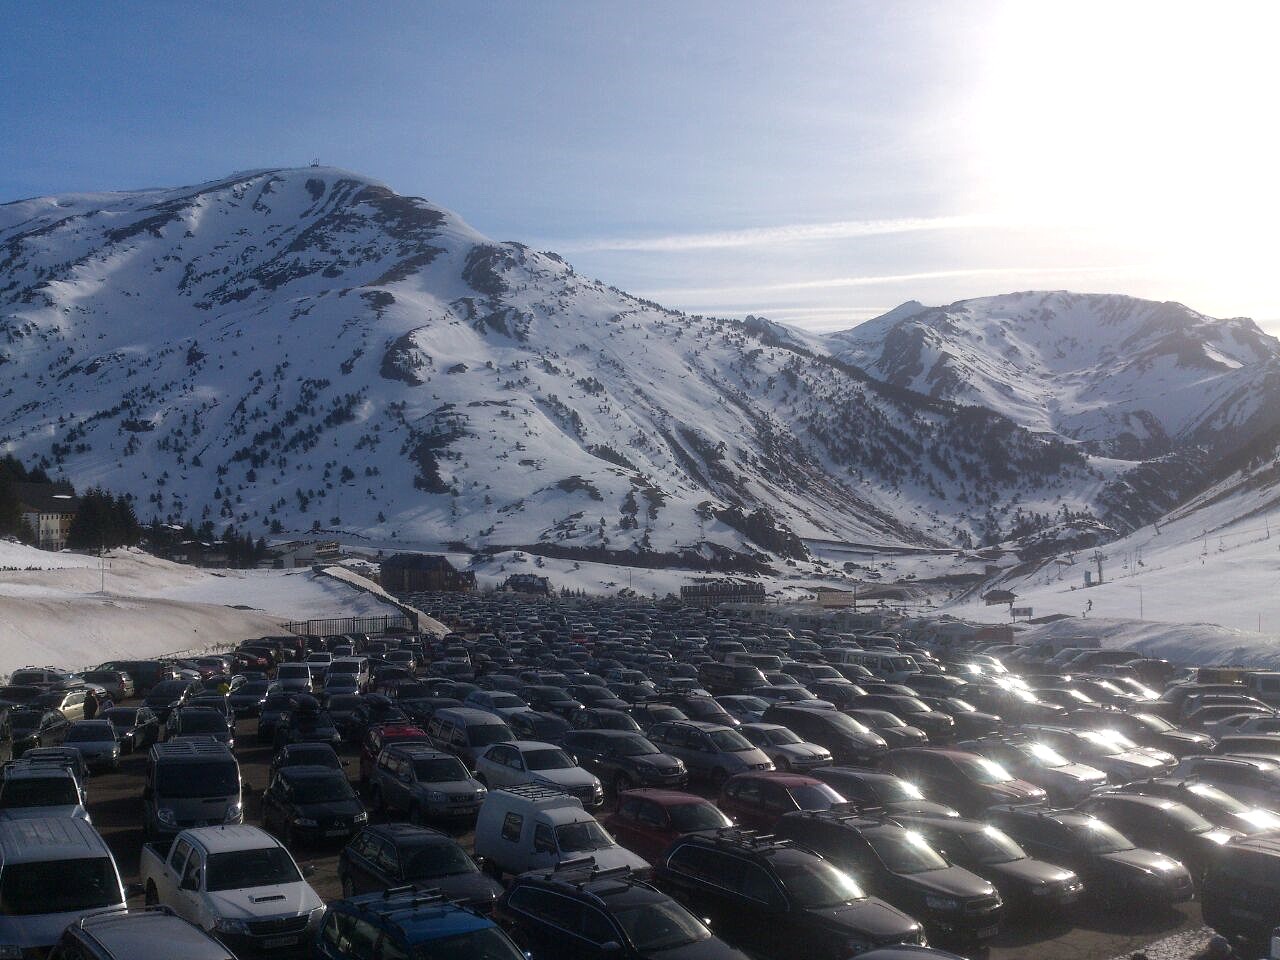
point(1204, 644)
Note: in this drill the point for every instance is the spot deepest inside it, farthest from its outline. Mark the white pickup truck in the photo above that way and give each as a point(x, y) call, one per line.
point(239, 884)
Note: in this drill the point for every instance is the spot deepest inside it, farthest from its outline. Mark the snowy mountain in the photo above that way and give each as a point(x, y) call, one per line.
point(305, 349)
point(1124, 378)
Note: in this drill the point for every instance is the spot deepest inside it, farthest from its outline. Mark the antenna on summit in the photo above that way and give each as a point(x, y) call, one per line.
point(315, 162)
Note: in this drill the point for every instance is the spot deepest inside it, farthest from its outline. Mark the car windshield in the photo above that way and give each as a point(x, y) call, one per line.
point(78, 734)
point(506, 700)
point(487, 943)
point(1153, 722)
point(964, 706)
point(184, 781)
point(982, 770)
point(660, 926)
point(816, 883)
point(239, 869)
point(1097, 837)
point(815, 796)
point(58, 886)
point(1218, 798)
point(121, 716)
point(581, 836)
point(729, 741)
point(990, 845)
point(547, 760)
point(636, 746)
point(1045, 755)
point(204, 723)
point(778, 737)
point(688, 817)
point(435, 860)
point(322, 789)
point(1185, 818)
point(755, 704)
point(895, 790)
point(905, 851)
point(39, 792)
point(487, 733)
point(439, 770)
point(1109, 741)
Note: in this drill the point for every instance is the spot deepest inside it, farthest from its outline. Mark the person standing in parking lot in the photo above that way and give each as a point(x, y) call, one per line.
point(90, 705)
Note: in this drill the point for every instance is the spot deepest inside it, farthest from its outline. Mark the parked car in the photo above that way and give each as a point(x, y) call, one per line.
point(96, 741)
point(200, 722)
point(306, 755)
point(1239, 893)
point(785, 747)
point(1251, 780)
point(580, 912)
point(190, 783)
point(603, 718)
point(1027, 886)
point(1213, 803)
point(137, 934)
point(247, 699)
point(777, 900)
point(311, 805)
point(136, 728)
point(898, 864)
point(410, 923)
point(1115, 872)
point(709, 751)
point(237, 883)
point(875, 789)
point(24, 728)
point(53, 872)
point(895, 731)
point(542, 764)
point(379, 738)
point(756, 800)
point(531, 827)
point(168, 695)
point(38, 789)
point(648, 821)
point(1029, 759)
point(624, 760)
point(1159, 823)
point(391, 854)
point(848, 741)
point(416, 780)
point(970, 782)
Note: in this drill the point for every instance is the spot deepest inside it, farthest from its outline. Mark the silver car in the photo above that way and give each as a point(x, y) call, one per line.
point(96, 741)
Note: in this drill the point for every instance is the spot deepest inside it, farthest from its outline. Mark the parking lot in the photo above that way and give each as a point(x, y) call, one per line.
point(1095, 933)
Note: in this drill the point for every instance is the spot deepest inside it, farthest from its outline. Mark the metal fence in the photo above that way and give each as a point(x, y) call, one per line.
point(339, 625)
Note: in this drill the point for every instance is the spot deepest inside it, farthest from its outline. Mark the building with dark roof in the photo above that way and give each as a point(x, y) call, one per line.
point(49, 509)
point(424, 573)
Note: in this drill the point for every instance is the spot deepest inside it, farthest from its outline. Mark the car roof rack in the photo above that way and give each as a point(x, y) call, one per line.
point(750, 839)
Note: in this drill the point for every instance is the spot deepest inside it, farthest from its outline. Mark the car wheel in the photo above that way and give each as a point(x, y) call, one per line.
point(151, 897)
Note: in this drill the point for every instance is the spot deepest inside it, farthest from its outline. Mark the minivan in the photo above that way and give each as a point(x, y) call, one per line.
point(190, 783)
point(53, 871)
point(149, 933)
point(466, 732)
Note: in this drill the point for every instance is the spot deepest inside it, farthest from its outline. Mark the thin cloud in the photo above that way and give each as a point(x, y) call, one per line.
point(769, 236)
point(869, 281)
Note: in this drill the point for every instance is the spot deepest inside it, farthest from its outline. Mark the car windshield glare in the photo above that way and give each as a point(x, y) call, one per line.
point(58, 886)
point(241, 869)
point(991, 845)
point(581, 836)
point(184, 781)
point(485, 734)
point(905, 851)
point(815, 796)
point(1046, 755)
point(895, 790)
point(439, 770)
point(663, 925)
point(1098, 837)
point(688, 817)
point(780, 737)
point(982, 770)
point(636, 746)
point(817, 883)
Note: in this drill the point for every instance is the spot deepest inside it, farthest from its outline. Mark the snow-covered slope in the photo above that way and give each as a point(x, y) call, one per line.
point(307, 349)
point(1128, 378)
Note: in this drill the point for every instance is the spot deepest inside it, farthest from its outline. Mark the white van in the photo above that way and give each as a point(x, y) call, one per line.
point(529, 827)
point(888, 665)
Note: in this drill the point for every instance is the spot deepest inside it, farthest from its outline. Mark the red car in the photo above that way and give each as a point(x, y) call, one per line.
point(381, 736)
point(757, 799)
point(648, 821)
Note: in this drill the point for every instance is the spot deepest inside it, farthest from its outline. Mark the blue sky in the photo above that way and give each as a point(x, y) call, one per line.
point(813, 162)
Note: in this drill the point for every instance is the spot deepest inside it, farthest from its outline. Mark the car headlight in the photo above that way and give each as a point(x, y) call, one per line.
point(942, 903)
point(230, 925)
point(166, 816)
point(315, 916)
point(304, 822)
point(360, 818)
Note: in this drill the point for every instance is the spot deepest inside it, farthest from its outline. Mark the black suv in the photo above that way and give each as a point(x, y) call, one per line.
point(1112, 868)
point(777, 900)
point(624, 760)
point(549, 699)
point(900, 865)
point(579, 912)
point(312, 804)
point(391, 854)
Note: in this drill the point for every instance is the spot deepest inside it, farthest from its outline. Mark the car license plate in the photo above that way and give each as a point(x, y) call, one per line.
point(336, 832)
point(986, 932)
point(275, 943)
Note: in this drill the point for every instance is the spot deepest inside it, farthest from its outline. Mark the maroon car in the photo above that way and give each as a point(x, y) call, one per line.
point(648, 821)
point(757, 799)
